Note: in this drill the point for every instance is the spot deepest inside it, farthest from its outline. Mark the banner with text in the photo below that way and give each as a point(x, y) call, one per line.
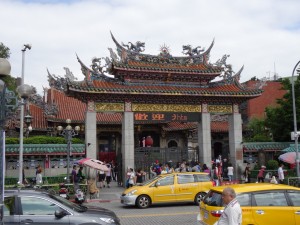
point(166, 117)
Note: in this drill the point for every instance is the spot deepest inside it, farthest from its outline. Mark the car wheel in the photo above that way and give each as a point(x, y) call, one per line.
point(143, 202)
point(199, 197)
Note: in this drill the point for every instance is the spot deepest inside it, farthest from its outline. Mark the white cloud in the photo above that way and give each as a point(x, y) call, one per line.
point(256, 34)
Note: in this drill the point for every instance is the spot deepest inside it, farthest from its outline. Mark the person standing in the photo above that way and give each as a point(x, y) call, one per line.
point(74, 178)
point(108, 175)
point(280, 174)
point(230, 171)
point(101, 178)
point(215, 174)
point(139, 176)
point(220, 174)
point(80, 175)
point(232, 214)
point(39, 177)
point(261, 175)
point(130, 177)
point(247, 173)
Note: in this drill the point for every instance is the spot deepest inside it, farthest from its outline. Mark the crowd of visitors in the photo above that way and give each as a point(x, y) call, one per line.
point(220, 170)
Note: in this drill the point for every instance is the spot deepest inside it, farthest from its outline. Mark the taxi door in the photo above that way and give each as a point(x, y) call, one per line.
point(164, 190)
point(294, 197)
point(271, 207)
point(186, 187)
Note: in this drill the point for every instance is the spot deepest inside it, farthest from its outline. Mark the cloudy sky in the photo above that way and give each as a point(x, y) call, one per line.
point(262, 35)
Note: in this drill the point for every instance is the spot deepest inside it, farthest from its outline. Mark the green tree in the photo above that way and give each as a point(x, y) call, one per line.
point(280, 119)
point(9, 81)
point(258, 131)
point(4, 51)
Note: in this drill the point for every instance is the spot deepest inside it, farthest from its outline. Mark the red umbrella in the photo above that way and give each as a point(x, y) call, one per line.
point(93, 163)
point(289, 157)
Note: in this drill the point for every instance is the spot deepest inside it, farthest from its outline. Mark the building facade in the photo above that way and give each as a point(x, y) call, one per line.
point(154, 90)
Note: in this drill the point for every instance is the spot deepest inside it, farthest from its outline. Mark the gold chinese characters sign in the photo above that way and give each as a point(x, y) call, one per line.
point(120, 107)
point(165, 108)
point(109, 107)
point(167, 117)
point(220, 108)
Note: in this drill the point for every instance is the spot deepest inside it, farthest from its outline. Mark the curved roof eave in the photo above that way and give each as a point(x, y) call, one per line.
point(171, 93)
point(166, 71)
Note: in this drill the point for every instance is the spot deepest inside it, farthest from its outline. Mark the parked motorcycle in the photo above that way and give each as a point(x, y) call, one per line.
point(63, 190)
point(79, 196)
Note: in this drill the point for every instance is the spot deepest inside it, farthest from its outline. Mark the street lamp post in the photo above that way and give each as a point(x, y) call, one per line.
point(28, 119)
point(68, 133)
point(8, 102)
point(296, 135)
point(24, 92)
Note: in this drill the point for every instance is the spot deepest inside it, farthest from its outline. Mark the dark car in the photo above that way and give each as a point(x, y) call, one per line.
point(33, 207)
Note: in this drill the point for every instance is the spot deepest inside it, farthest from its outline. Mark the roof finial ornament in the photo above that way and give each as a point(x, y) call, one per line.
point(137, 47)
point(222, 61)
point(96, 65)
point(227, 69)
point(57, 82)
point(228, 73)
point(165, 51)
point(189, 50)
point(113, 55)
point(69, 75)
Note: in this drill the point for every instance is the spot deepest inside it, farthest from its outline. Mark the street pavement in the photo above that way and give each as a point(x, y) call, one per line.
point(177, 214)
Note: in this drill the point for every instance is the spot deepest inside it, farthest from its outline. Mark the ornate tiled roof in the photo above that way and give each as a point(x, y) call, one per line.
point(39, 121)
point(291, 148)
point(164, 65)
point(266, 146)
point(154, 67)
point(49, 149)
point(68, 107)
point(133, 73)
point(106, 87)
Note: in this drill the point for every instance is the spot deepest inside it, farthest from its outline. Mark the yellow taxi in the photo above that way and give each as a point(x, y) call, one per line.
point(169, 188)
point(261, 204)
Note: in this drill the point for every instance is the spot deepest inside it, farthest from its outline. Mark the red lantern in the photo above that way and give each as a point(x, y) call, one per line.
point(149, 141)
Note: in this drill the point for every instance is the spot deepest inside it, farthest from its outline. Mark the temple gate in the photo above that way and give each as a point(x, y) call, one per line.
point(160, 89)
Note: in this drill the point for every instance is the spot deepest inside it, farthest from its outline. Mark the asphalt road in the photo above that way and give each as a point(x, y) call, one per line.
point(177, 214)
point(160, 214)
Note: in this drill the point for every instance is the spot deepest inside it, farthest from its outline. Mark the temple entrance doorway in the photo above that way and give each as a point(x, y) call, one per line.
point(217, 150)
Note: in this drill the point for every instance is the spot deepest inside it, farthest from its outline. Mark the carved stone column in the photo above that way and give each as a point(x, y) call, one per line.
point(91, 131)
point(204, 137)
point(235, 141)
point(127, 140)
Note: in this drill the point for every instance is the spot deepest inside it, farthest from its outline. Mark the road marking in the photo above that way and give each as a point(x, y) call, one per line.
point(163, 214)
